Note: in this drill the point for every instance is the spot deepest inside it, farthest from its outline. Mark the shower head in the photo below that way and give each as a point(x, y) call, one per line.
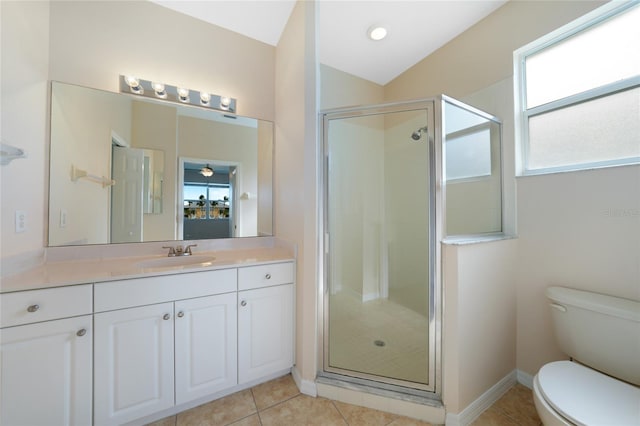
point(417, 135)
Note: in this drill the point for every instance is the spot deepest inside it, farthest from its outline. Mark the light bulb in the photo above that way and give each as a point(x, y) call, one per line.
point(377, 32)
point(225, 102)
point(205, 98)
point(134, 84)
point(183, 94)
point(159, 89)
point(132, 81)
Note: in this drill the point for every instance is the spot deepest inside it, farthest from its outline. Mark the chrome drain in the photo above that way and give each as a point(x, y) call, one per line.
point(379, 343)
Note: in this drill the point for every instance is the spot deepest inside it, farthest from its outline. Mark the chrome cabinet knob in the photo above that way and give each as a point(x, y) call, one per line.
point(33, 308)
point(243, 303)
point(166, 317)
point(268, 276)
point(81, 332)
point(180, 314)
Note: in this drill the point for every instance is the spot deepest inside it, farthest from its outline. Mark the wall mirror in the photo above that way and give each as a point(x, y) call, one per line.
point(126, 169)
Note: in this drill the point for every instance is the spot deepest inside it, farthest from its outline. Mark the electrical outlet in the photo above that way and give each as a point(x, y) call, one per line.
point(63, 218)
point(21, 221)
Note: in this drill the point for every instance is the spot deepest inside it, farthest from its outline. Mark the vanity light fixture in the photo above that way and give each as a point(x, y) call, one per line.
point(377, 32)
point(157, 90)
point(206, 171)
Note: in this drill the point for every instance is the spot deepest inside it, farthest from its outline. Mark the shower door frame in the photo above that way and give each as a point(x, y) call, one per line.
point(433, 389)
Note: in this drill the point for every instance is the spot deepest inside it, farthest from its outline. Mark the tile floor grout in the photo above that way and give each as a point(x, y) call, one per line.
point(284, 405)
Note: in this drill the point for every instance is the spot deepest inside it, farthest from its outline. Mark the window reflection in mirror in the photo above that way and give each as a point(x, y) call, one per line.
point(473, 171)
point(208, 200)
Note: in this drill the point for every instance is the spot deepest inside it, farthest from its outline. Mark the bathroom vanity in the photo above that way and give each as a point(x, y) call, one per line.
point(136, 343)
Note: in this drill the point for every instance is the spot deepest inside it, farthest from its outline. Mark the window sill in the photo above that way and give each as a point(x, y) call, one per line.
point(463, 240)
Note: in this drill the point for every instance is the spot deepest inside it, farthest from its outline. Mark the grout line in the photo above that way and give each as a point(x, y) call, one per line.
point(256, 405)
point(339, 412)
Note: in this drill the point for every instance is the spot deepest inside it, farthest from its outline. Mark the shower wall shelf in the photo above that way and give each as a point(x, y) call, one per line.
point(9, 153)
point(77, 173)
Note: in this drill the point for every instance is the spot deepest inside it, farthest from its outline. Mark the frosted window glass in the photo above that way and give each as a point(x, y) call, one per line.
point(457, 118)
point(600, 55)
point(469, 156)
point(603, 129)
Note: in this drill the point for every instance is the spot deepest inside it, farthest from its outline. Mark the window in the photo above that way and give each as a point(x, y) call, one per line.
point(467, 144)
point(579, 93)
point(206, 201)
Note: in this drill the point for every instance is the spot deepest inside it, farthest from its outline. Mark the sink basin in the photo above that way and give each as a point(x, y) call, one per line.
point(169, 262)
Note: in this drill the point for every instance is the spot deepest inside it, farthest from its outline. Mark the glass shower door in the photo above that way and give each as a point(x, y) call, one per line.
point(378, 221)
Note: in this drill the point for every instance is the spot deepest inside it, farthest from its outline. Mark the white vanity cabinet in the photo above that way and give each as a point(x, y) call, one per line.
point(116, 352)
point(152, 356)
point(46, 357)
point(206, 346)
point(265, 320)
point(133, 363)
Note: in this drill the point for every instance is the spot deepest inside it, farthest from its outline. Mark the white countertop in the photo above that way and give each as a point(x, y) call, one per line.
point(84, 271)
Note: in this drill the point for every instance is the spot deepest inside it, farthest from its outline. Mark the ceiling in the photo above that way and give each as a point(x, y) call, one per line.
point(416, 28)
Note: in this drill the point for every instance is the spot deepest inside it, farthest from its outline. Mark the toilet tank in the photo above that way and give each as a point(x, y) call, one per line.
point(600, 331)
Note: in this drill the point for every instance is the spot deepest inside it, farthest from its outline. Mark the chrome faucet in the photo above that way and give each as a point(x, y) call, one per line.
point(172, 251)
point(179, 250)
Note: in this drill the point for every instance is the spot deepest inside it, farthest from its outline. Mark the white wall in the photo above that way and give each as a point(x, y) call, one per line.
point(91, 43)
point(236, 144)
point(578, 230)
point(406, 219)
point(479, 342)
point(81, 126)
point(477, 67)
point(24, 30)
point(339, 89)
point(265, 178)
point(296, 171)
point(356, 204)
point(155, 127)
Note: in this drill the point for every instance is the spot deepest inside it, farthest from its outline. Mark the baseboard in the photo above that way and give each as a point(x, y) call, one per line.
point(484, 401)
point(306, 387)
point(525, 379)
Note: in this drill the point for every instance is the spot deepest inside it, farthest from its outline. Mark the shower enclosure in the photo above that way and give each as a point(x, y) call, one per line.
point(384, 216)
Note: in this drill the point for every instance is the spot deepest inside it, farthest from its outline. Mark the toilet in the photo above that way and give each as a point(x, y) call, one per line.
point(600, 385)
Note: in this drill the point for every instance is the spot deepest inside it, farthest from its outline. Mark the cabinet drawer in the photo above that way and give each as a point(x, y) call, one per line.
point(25, 307)
point(166, 288)
point(265, 275)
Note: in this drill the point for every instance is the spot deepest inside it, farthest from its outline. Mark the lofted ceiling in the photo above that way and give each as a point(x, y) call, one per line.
point(416, 28)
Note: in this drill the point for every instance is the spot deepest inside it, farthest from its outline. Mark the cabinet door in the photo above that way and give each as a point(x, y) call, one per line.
point(265, 331)
point(133, 363)
point(206, 346)
point(46, 373)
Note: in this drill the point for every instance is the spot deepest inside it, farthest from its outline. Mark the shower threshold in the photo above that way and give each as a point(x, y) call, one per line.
point(403, 393)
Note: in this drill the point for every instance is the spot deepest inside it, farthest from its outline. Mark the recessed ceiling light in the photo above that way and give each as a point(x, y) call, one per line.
point(377, 32)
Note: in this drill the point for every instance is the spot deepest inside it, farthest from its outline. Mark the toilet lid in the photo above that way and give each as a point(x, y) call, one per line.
point(587, 397)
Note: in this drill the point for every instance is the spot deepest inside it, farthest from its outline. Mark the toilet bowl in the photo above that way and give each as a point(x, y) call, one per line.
point(600, 387)
point(567, 393)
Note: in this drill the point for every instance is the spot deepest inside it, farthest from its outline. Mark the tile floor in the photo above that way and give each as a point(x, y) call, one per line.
point(279, 402)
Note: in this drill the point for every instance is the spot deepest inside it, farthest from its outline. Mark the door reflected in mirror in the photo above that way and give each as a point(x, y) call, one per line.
point(140, 144)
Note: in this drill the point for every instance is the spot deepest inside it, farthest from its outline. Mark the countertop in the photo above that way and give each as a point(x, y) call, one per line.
point(87, 271)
